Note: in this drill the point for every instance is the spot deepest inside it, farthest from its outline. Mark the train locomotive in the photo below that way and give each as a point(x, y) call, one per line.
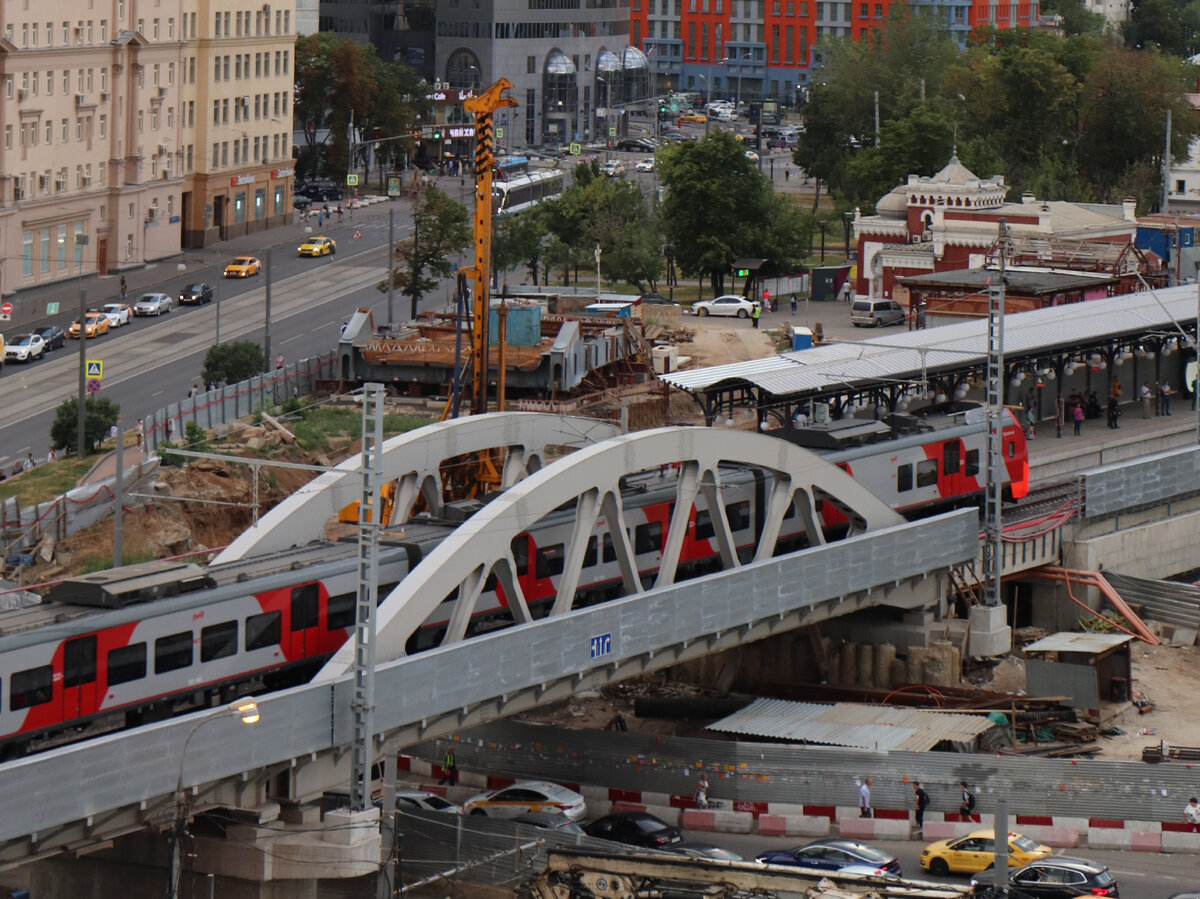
point(140, 643)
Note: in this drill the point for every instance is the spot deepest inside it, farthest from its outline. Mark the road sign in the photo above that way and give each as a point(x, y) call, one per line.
point(6, 309)
point(93, 385)
point(499, 134)
point(52, 308)
point(612, 132)
point(95, 369)
point(575, 149)
point(352, 180)
point(357, 234)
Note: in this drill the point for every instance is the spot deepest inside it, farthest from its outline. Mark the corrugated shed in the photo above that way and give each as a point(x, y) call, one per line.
point(1167, 601)
point(849, 724)
point(1067, 641)
point(905, 355)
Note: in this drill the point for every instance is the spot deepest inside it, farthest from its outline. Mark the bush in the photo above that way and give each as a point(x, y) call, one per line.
point(98, 418)
point(229, 363)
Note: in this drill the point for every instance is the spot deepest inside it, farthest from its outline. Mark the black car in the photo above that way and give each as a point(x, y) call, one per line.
point(704, 850)
point(654, 299)
point(55, 337)
point(832, 855)
point(1055, 877)
point(550, 821)
point(637, 144)
point(196, 295)
point(299, 201)
point(635, 829)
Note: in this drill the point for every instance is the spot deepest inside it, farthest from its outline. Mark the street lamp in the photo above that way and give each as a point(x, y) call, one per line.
point(245, 709)
point(848, 217)
point(597, 271)
point(738, 104)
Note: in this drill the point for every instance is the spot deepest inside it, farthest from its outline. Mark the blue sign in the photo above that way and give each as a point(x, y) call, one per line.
point(174, 220)
point(601, 645)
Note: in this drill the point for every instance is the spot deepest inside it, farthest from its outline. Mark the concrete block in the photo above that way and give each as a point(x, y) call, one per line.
point(1144, 826)
point(1060, 837)
point(668, 813)
point(1109, 838)
point(1175, 841)
point(793, 825)
point(1071, 823)
point(894, 829)
point(622, 806)
point(733, 822)
point(785, 808)
point(1146, 841)
point(656, 798)
point(346, 828)
point(945, 830)
point(697, 819)
point(856, 828)
point(1184, 636)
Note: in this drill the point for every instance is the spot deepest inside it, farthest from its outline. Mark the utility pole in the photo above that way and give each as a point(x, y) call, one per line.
point(82, 420)
point(992, 559)
point(391, 259)
point(1167, 164)
point(119, 498)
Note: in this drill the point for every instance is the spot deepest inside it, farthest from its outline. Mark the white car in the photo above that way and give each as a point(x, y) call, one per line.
point(527, 796)
point(752, 156)
point(645, 165)
point(421, 801)
point(152, 304)
point(118, 314)
point(25, 347)
point(729, 304)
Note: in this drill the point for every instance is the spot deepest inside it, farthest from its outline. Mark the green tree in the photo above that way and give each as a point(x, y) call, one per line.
point(1076, 18)
point(918, 143)
point(518, 240)
point(441, 230)
point(99, 416)
point(1157, 24)
point(229, 363)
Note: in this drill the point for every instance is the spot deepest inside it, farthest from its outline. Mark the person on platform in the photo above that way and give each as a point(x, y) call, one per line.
point(1114, 412)
point(864, 798)
point(922, 803)
point(1147, 398)
point(1191, 814)
point(968, 801)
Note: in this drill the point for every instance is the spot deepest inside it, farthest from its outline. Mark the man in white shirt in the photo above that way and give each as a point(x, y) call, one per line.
point(1147, 399)
point(1191, 813)
point(864, 798)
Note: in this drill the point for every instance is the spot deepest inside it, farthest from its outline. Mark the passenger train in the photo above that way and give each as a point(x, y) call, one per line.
point(139, 643)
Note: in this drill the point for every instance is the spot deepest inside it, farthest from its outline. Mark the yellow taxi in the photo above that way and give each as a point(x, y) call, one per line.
point(317, 246)
point(97, 324)
point(243, 267)
point(694, 117)
point(976, 851)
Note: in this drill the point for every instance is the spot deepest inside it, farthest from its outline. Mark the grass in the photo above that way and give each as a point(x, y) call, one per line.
point(47, 481)
point(320, 427)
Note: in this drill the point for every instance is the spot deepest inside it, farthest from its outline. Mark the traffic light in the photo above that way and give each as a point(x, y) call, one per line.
point(437, 133)
point(743, 272)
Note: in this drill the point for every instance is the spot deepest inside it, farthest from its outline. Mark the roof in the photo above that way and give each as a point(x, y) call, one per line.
point(1072, 642)
point(905, 355)
point(1019, 281)
point(874, 727)
point(955, 173)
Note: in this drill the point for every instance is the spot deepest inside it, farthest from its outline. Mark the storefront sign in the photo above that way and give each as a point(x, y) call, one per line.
point(461, 132)
point(282, 173)
point(241, 179)
point(450, 96)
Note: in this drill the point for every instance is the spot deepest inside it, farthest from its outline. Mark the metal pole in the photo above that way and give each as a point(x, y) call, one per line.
point(1166, 184)
point(81, 437)
point(217, 300)
point(391, 259)
point(1001, 853)
point(992, 560)
point(119, 498)
point(267, 317)
point(369, 514)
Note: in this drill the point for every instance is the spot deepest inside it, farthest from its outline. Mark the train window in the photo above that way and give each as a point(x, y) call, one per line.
point(32, 687)
point(218, 641)
point(927, 473)
point(263, 630)
point(341, 613)
point(648, 538)
point(550, 560)
point(738, 515)
point(972, 462)
point(610, 551)
point(79, 661)
point(172, 652)
point(589, 554)
point(126, 663)
point(904, 479)
point(704, 526)
point(305, 600)
point(950, 457)
point(520, 551)
point(1012, 446)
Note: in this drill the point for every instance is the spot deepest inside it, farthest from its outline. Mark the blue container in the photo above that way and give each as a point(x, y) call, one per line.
point(802, 338)
point(523, 326)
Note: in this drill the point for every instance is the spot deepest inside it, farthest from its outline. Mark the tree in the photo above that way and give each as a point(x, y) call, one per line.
point(441, 230)
point(229, 363)
point(919, 143)
point(518, 240)
point(99, 416)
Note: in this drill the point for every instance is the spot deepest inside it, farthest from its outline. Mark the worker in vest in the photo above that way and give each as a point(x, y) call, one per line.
point(754, 313)
point(449, 769)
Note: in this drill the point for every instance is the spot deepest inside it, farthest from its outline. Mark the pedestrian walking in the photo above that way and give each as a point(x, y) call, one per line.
point(141, 431)
point(194, 392)
point(1191, 814)
point(1030, 424)
point(279, 361)
point(51, 456)
point(922, 803)
point(1146, 396)
point(123, 287)
point(449, 769)
point(767, 300)
point(701, 795)
point(1114, 412)
point(339, 212)
point(787, 174)
point(864, 798)
point(968, 801)
point(1164, 398)
point(793, 304)
point(1077, 417)
point(29, 461)
point(754, 313)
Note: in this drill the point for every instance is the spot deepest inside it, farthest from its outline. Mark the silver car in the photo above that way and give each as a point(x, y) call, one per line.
point(152, 304)
point(868, 313)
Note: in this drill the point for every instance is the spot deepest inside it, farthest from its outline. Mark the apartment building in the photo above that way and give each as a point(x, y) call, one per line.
point(90, 178)
point(237, 124)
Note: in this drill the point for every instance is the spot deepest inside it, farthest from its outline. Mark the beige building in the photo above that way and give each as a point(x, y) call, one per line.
point(237, 97)
point(92, 161)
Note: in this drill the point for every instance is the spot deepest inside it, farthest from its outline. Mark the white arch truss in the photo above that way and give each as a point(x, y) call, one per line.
point(415, 459)
point(591, 479)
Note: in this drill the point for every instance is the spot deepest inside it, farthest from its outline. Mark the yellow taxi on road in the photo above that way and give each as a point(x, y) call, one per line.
point(977, 850)
point(694, 117)
point(243, 267)
point(317, 246)
point(97, 324)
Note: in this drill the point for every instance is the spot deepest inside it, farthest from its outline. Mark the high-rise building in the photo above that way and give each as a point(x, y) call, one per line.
point(236, 118)
point(92, 164)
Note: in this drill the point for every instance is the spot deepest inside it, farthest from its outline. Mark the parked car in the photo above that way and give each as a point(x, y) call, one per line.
point(24, 348)
point(55, 337)
point(195, 295)
point(645, 165)
point(422, 801)
point(637, 144)
point(729, 305)
point(97, 324)
point(704, 850)
point(1056, 877)
point(868, 313)
point(317, 246)
point(556, 821)
point(527, 796)
point(243, 267)
point(299, 201)
point(832, 855)
point(118, 314)
point(635, 829)
point(977, 850)
point(153, 304)
point(654, 299)
point(752, 156)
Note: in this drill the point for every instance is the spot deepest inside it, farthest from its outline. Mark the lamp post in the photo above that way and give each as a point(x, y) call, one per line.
point(847, 217)
point(246, 709)
point(738, 102)
point(597, 271)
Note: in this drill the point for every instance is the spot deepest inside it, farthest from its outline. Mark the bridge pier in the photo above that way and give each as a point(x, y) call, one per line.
point(267, 859)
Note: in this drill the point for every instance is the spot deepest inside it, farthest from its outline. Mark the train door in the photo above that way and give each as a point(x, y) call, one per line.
point(305, 617)
point(79, 677)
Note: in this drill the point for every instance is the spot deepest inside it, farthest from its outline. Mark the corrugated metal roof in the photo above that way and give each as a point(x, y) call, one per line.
point(1072, 642)
point(905, 355)
point(872, 727)
point(1167, 601)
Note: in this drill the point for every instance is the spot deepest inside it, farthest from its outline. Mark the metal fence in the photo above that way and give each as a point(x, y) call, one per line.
point(774, 772)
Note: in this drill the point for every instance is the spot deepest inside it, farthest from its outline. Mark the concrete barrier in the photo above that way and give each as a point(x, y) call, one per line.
point(1176, 841)
point(717, 820)
point(793, 826)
